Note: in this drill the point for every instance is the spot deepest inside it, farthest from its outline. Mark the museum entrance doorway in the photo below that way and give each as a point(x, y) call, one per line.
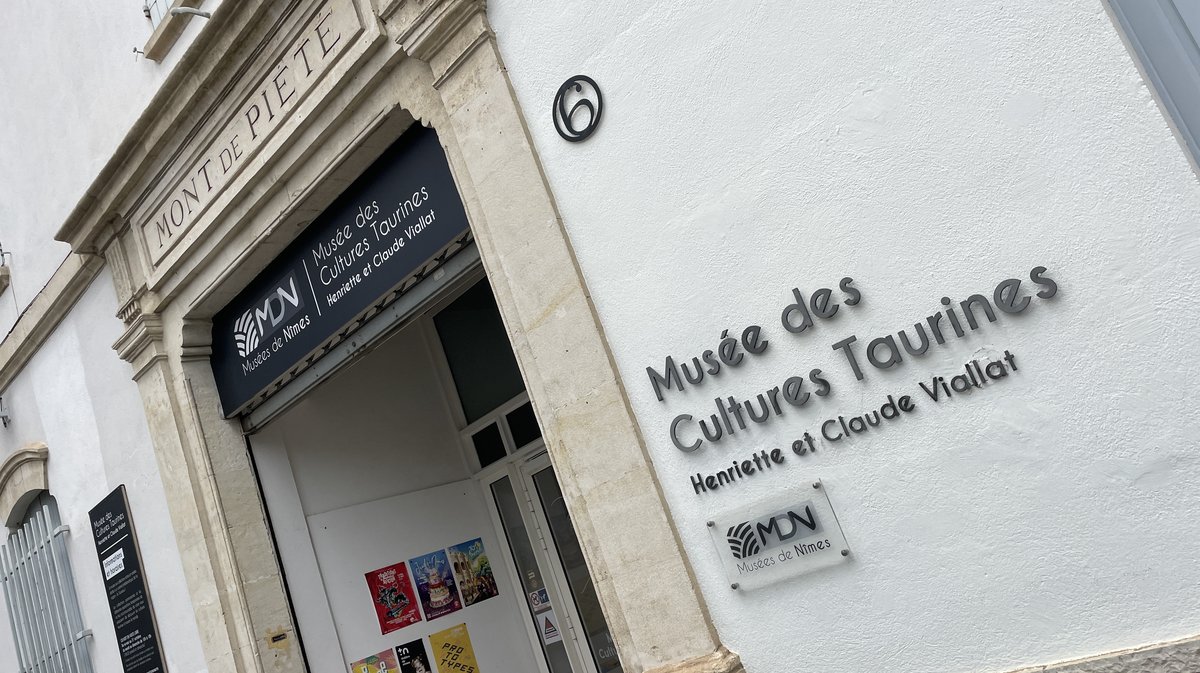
point(416, 512)
point(530, 512)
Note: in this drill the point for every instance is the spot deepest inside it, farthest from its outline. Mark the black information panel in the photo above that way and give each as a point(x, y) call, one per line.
point(403, 211)
point(128, 601)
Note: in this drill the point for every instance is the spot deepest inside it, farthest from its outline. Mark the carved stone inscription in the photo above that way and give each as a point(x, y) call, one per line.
point(292, 73)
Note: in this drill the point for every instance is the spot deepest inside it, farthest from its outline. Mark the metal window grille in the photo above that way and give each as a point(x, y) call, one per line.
point(156, 10)
point(39, 593)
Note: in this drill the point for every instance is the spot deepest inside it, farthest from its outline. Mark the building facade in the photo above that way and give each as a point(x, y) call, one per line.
point(433, 335)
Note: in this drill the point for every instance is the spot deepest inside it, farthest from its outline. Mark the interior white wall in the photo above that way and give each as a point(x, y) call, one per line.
point(380, 428)
point(73, 87)
point(79, 398)
point(925, 150)
point(289, 525)
point(355, 540)
point(366, 469)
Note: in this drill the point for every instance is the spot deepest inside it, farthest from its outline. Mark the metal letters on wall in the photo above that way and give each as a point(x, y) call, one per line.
point(578, 119)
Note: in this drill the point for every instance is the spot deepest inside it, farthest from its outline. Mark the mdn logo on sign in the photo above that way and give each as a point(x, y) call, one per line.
point(751, 538)
point(787, 535)
point(267, 315)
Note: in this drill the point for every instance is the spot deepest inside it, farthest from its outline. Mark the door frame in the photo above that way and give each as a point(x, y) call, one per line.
point(519, 468)
point(519, 465)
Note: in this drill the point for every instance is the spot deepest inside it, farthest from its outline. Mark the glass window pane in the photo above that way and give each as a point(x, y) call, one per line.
point(600, 641)
point(523, 425)
point(489, 446)
point(477, 348)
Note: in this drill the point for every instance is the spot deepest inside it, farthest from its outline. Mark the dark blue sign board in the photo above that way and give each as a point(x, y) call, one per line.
point(402, 212)
point(125, 585)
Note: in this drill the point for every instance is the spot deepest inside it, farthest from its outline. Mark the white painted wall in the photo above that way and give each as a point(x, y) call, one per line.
point(925, 150)
point(78, 397)
point(72, 87)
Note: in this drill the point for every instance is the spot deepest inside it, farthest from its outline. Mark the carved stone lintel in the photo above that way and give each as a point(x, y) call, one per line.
point(141, 345)
point(22, 477)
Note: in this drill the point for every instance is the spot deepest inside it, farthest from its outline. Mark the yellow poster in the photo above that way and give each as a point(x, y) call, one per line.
point(452, 650)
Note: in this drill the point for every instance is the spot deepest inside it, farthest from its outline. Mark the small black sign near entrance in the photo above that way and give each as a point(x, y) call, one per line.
point(402, 212)
point(125, 585)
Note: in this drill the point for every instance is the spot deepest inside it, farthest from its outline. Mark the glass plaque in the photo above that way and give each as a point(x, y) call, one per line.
point(775, 539)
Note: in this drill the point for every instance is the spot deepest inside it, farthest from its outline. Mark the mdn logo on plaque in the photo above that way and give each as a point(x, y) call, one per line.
point(787, 536)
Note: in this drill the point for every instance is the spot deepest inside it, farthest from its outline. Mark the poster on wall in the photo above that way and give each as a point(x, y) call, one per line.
point(412, 657)
point(452, 650)
point(382, 662)
point(473, 572)
point(392, 594)
point(435, 584)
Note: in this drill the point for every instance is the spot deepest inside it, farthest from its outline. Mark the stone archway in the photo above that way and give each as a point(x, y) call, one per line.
point(22, 478)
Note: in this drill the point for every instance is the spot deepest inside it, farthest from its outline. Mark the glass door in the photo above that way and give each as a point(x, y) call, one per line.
point(564, 544)
point(538, 588)
point(560, 597)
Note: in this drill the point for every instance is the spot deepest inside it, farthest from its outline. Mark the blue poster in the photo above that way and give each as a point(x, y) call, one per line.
point(435, 584)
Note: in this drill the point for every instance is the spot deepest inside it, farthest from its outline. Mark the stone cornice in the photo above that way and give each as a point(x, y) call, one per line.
point(21, 473)
point(426, 28)
point(45, 312)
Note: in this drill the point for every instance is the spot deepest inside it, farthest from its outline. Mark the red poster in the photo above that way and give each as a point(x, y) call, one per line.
point(392, 594)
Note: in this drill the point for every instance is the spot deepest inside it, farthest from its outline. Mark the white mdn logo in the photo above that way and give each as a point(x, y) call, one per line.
point(278, 306)
point(246, 334)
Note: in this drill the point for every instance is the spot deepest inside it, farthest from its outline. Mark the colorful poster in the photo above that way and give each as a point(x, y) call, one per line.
point(452, 650)
point(435, 584)
point(383, 662)
point(392, 594)
point(412, 657)
point(473, 572)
